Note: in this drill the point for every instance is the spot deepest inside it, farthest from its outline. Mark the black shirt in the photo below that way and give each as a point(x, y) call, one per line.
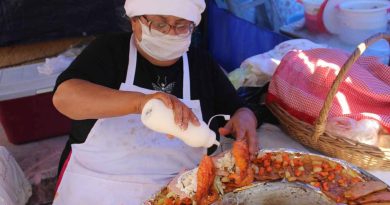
point(105, 62)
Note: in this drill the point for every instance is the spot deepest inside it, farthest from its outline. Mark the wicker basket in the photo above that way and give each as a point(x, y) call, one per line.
point(314, 136)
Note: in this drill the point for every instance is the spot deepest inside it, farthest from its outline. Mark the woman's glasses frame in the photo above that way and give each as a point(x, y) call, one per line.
point(183, 30)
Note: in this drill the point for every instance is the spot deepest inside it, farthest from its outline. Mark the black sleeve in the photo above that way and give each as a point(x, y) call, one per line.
point(96, 64)
point(254, 98)
point(227, 100)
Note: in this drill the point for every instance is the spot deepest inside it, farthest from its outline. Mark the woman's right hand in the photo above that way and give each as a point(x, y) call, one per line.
point(182, 114)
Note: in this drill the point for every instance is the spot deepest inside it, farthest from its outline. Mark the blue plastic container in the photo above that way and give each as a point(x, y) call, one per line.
point(231, 39)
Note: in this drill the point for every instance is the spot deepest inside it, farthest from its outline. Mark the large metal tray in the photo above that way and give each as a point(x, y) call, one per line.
point(284, 192)
point(276, 193)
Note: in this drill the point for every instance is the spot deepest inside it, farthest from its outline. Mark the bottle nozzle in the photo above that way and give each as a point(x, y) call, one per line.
point(212, 140)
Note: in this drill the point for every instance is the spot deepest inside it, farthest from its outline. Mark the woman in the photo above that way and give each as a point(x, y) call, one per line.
point(115, 159)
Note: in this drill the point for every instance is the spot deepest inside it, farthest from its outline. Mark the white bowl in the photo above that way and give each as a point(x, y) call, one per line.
point(358, 20)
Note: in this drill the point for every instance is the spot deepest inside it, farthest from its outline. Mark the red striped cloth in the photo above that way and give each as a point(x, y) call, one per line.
point(303, 79)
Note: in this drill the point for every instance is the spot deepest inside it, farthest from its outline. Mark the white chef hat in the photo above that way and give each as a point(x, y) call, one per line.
point(187, 9)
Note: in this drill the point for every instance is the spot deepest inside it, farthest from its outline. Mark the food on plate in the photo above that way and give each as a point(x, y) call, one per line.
point(242, 173)
point(214, 177)
point(233, 171)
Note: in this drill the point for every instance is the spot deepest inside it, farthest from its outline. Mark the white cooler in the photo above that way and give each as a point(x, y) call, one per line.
point(26, 110)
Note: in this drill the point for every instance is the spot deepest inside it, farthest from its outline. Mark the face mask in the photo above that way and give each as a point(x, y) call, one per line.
point(163, 47)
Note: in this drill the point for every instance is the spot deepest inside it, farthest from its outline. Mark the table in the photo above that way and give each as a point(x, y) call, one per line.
point(298, 30)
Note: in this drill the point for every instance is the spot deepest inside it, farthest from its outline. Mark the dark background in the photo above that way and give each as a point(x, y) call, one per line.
point(26, 21)
point(229, 39)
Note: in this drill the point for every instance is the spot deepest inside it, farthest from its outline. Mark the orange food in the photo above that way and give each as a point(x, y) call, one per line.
point(267, 163)
point(244, 175)
point(316, 184)
point(297, 162)
point(168, 202)
point(297, 173)
point(240, 153)
point(338, 168)
point(324, 174)
point(285, 157)
point(186, 201)
point(356, 180)
point(261, 171)
point(205, 179)
point(331, 177)
point(341, 184)
point(325, 186)
point(325, 165)
point(210, 198)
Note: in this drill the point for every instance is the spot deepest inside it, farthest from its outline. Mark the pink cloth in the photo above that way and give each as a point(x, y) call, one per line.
point(303, 79)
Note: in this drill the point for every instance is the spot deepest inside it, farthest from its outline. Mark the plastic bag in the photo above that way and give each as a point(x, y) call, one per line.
point(248, 77)
point(14, 187)
point(55, 65)
point(59, 63)
point(257, 70)
point(364, 131)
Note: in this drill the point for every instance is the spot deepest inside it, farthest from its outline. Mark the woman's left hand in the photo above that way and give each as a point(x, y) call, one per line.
point(243, 126)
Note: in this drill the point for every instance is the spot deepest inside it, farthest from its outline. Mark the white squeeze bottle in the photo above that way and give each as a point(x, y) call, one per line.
point(158, 117)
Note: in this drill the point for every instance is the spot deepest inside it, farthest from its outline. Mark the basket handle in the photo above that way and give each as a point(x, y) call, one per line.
point(320, 123)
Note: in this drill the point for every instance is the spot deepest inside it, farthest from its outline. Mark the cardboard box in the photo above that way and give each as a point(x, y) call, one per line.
point(26, 109)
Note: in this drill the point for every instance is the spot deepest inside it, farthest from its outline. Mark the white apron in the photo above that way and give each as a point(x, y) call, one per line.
point(122, 162)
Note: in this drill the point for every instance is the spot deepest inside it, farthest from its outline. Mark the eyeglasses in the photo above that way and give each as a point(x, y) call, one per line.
point(181, 29)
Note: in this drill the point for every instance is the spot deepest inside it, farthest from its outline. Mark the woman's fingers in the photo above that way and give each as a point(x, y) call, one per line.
point(243, 126)
point(193, 118)
point(227, 129)
point(223, 131)
point(253, 142)
point(187, 115)
point(178, 113)
point(240, 134)
point(165, 98)
point(182, 114)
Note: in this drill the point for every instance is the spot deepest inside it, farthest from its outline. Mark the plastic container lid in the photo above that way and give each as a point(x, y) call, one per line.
point(24, 81)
